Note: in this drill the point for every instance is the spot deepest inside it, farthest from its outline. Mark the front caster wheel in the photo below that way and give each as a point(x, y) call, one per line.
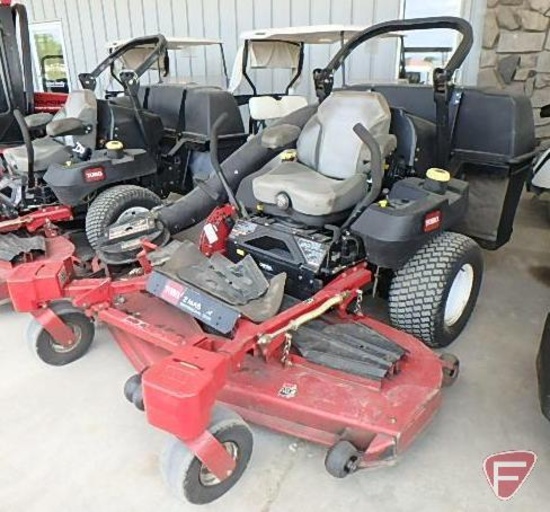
point(54, 353)
point(451, 370)
point(133, 391)
point(189, 478)
point(342, 459)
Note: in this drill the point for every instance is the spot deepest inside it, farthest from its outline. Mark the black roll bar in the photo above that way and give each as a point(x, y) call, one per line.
point(89, 80)
point(324, 79)
point(21, 21)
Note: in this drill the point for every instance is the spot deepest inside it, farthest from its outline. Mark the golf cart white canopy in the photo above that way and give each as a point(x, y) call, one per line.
point(316, 34)
point(174, 43)
point(280, 48)
point(134, 57)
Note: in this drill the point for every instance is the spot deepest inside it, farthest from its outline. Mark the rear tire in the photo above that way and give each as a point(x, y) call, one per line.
point(186, 475)
point(433, 295)
point(114, 204)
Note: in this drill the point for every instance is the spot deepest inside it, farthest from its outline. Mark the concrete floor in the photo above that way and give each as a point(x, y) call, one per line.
point(70, 441)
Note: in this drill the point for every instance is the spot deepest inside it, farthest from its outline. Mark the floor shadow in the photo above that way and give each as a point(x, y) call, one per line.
point(541, 274)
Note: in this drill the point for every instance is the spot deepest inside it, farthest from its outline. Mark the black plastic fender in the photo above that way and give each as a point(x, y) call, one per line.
point(73, 183)
point(392, 235)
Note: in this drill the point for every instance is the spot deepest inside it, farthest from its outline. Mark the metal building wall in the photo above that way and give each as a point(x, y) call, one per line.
point(89, 24)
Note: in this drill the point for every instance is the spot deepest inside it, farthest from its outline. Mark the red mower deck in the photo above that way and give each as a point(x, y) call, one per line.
point(184, 372)
point(58, 248)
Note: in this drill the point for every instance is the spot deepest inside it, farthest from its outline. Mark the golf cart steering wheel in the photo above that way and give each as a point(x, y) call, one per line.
point(159, 47)
point(324, 78)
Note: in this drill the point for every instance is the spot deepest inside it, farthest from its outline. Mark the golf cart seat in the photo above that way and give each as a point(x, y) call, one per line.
point(268, 108)
point(330, 175)
point(75, 122)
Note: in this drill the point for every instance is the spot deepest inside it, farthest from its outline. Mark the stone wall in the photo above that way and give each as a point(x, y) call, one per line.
point(515, 53)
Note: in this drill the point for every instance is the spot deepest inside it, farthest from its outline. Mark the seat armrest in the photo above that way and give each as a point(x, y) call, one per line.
point(387, 143)
point(67, 126)
point(38, 121)
point(280, 136)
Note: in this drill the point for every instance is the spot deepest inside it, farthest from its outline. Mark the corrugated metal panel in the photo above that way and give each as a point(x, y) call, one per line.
point(89, 24)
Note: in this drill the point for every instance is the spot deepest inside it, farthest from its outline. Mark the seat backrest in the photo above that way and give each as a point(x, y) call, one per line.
point(266, 108)
point(81, 105)
point(328, 143)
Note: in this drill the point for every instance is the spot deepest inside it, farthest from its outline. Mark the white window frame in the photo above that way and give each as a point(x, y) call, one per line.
point(40, 27)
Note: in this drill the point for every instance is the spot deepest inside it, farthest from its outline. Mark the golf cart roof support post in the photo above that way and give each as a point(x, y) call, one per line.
point(299, 70)
point(402, 58)
point(224, 65)
point(244, 64)
point(342, 42)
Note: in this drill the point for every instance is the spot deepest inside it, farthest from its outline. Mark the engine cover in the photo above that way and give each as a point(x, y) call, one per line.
point(308, 256)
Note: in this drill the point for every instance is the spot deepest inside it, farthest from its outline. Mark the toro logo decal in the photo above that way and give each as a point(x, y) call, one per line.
point(507, 471)
point(93, 174)
point(173, 292)
point(432, 221)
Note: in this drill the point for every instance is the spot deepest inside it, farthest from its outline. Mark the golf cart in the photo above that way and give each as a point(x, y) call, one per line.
point(275, 49)
point(539, 181)
point(107, 160)
point(164, 66)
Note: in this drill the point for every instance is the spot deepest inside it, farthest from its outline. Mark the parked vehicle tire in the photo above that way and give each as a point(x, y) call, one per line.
point(189, 478)
point(116, 204)
point(133, 391)
point(434, 294)
point(342, 459)
point(53, 353)
point(450, 372)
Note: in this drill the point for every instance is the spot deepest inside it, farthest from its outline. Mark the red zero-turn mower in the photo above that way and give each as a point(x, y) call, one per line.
point(100, 161)
point(263, 323)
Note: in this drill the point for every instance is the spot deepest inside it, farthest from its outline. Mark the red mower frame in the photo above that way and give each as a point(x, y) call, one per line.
point(184, 372)
point(42, 220)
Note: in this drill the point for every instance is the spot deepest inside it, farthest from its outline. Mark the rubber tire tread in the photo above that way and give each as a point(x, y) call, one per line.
point(111, 203)
point(419, 290)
